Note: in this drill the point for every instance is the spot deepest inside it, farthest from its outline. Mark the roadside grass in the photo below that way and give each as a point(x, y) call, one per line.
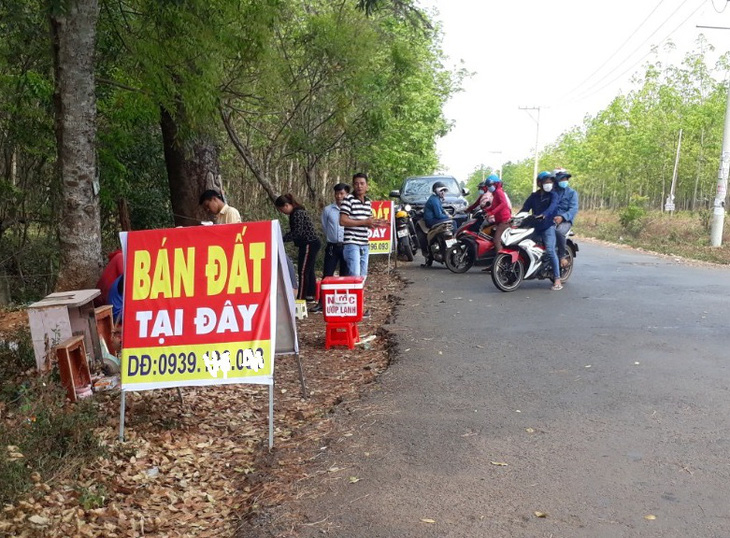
point(684, 233)
point(41, 437)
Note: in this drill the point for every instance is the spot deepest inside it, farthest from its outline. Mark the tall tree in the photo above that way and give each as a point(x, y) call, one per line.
point(73, 31)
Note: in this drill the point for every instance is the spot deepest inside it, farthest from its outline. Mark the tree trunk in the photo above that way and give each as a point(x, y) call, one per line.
point(699, 169)
point(73, 32)
point(192, 167)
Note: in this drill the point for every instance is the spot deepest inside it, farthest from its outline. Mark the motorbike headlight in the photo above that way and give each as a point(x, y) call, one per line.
point(407, 207)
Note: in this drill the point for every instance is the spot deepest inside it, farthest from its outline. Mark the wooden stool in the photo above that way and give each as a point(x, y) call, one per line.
point(341, 334)
point(72, 365)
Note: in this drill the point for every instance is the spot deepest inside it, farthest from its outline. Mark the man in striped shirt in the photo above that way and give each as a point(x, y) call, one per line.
point(356, 215)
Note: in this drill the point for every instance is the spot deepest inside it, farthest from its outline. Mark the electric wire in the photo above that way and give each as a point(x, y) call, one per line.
point(584, 96)
point(589, 77)
point(604, 77)
point(719, 10)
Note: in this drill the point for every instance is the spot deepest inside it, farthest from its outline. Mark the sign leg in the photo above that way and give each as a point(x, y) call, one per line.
point(122, 405)
point(301, 377)
point(271, 416)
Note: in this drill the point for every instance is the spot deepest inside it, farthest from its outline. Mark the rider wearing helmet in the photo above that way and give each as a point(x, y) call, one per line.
point(433, 211)
point(567, 210)
point(500, 211)
point(484, 198)
point(544, 204)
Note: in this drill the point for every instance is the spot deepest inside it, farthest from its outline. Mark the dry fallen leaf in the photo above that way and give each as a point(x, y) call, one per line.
point(39, 520)
point(541, 514)
point(650, 517)
point(499, 463)
point(428, 520)
point(354, 480)
point(529, 430)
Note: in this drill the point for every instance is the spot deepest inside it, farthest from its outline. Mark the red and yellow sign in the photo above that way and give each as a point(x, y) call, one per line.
point(199, 306)
point(380, 238)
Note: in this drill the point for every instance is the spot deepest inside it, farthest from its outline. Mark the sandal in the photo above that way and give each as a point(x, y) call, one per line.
point(557, 287)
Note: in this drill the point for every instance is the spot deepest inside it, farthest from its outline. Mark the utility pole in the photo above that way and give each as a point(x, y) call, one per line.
point(718, 211)
point(669, 204)
point(718, 207)
point(537, 138)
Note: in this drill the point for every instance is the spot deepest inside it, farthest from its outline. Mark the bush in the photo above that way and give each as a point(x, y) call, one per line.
point(632, 216)
point(46, 435)
point(16, 355)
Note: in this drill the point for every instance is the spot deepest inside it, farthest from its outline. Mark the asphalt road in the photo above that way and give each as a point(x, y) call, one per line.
point(596, 406)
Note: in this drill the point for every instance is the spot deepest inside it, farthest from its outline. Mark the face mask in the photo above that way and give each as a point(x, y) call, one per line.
point(562, 184)
point(547, 187)
point(492, 189)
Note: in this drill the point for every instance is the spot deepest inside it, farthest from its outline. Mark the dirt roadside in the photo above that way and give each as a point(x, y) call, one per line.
point(202, 468)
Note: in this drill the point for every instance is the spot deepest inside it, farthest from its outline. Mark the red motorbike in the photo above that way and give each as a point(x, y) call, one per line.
point(473, 245)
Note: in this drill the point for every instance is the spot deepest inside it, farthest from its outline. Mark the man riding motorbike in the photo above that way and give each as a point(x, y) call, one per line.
point(435, 216)
point(544, 203)
point(433, 211)
point(567, 210)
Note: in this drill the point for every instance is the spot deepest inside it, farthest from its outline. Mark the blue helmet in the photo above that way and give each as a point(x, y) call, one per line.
point(542, 176)
point(493, 178)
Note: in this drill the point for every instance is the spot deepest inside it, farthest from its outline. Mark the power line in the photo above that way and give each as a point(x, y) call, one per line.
point(575, 90)
point(582, 96)
point(587, 95)
point(719, 10)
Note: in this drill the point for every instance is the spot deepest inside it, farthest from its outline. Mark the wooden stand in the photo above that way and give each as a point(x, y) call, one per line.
point(105, 325)
point(72, 365)
point(56, 318)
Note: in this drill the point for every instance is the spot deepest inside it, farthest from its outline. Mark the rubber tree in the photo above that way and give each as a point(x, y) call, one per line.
point(73, 34)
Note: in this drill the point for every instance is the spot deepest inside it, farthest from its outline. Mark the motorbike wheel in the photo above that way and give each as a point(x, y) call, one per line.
point(459, 258)
point(566, 271)
point(405, 248)
point(506, 275)
point(414, 242)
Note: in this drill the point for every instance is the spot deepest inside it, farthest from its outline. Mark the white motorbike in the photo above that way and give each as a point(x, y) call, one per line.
point(523, 256)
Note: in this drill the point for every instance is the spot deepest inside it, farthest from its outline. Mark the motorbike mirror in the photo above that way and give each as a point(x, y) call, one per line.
point(394, 194)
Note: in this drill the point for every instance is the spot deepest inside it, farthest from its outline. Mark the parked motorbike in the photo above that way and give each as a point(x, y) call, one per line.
point(524, 258)
point(405, 231)
point(473, 245)
point(435, 241)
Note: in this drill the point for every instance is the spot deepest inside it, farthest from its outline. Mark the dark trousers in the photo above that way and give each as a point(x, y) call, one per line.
point(305, 264)
point(333, 257)
point(561, 237)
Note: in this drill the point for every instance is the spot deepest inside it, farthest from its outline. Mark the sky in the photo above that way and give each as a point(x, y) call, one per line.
point(568, 57)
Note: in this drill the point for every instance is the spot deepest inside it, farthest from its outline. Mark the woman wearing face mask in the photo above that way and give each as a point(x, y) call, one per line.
point(544, 204)
point(500, 211)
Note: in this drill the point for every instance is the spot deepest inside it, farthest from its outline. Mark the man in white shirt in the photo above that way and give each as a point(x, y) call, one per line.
point(334, 233)
point(212, 201)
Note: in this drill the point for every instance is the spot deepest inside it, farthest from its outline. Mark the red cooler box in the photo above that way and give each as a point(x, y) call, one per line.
point(342, 298)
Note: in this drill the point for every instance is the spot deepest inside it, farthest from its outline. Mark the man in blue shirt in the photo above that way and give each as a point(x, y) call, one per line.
point(567, 210)
point(334, 233)
point(544, 204)
point(433, 211)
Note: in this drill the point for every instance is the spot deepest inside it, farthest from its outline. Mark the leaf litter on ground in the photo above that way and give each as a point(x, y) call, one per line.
point(198, 468)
